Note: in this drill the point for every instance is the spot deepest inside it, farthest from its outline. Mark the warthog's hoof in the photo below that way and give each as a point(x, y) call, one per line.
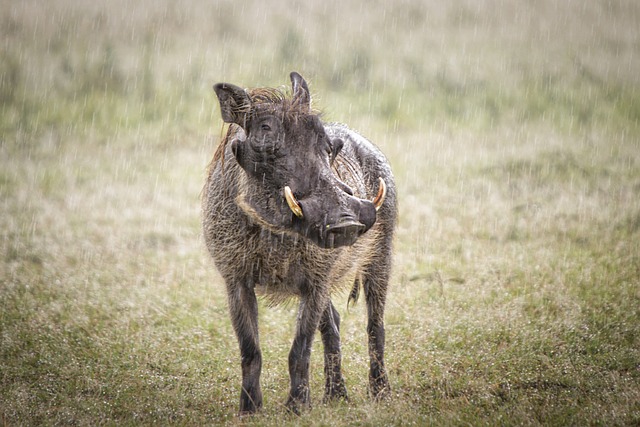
point(379, 388)
point(335, 392)
point(249, 405)
point(296, 406)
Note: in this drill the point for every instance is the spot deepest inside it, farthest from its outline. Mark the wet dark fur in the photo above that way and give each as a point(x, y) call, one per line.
point(256, 257)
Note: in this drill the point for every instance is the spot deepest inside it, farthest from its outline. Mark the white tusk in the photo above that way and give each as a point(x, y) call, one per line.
point(292, 202)
point(382, 193)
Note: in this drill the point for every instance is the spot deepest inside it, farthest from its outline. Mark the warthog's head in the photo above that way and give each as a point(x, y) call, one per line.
point(286, 155)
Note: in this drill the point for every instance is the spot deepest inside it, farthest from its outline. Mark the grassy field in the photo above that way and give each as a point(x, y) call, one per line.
point(514, 133)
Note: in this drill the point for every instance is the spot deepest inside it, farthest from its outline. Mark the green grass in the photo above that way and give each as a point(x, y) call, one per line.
point(513, 133)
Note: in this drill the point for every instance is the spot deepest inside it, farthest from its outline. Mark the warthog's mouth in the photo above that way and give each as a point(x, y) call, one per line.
point(343, 233)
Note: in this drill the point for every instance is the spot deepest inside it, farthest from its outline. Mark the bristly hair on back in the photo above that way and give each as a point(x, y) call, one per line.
point(264, 98)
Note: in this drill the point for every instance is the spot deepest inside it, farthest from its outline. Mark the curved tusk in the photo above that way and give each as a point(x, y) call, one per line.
point(382, 193)
point(292, 202)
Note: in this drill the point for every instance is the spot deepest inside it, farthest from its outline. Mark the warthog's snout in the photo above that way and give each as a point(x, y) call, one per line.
point(332, 225)
point(348, 228)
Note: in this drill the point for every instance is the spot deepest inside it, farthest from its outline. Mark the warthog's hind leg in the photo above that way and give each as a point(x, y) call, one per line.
point(375, 288)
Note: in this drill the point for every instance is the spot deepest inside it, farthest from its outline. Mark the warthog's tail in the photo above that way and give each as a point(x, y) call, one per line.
point(355, 291)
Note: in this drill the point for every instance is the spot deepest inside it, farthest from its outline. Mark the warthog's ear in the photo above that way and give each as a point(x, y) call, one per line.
point(336, 146)
point(301, 93)
point(235, 104)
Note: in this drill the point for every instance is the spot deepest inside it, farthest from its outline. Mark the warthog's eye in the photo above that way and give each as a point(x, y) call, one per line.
point(265, 127)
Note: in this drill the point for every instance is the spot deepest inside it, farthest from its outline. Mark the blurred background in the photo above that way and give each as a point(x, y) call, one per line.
point(411, 64)
point(512, 129)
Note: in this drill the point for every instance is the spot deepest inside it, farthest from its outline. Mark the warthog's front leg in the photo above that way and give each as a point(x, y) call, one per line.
point(311, 307)
point(243, 306)
point(330, 329)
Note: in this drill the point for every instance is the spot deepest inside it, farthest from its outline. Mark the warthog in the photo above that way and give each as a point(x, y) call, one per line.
point(294, 207)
